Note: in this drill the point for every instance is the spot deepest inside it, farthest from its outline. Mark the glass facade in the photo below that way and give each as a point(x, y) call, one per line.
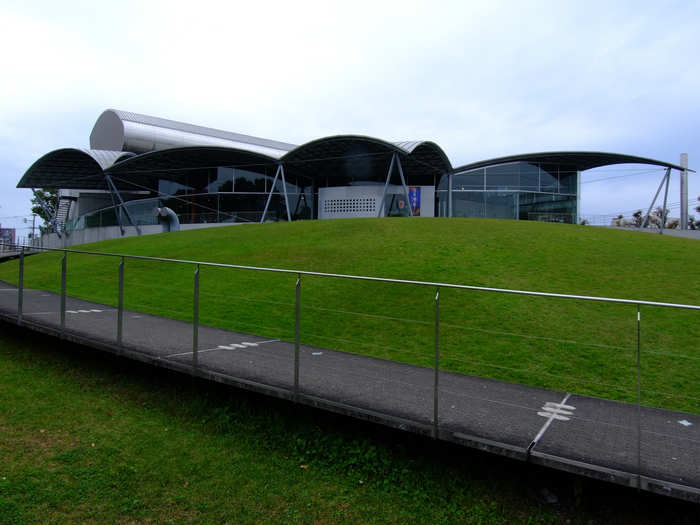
point(517, 190)
point(211, 195)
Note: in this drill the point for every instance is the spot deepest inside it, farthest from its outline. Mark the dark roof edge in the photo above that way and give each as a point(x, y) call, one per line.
point(603, 158)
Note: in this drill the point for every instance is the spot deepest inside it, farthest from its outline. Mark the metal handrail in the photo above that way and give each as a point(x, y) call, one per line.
point(378, 279)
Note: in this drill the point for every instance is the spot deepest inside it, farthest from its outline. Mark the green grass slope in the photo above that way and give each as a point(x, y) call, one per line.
point(573, 346)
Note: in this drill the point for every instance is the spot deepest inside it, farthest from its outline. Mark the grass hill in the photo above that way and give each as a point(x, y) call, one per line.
point(577, 346)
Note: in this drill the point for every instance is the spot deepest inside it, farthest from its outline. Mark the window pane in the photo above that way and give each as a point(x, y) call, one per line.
point(504, 177)
point(469, 180)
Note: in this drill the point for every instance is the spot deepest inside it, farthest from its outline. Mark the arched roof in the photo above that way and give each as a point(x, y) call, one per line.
point(176, 163)
point(360, 158)
point(570, 160)
point(71, 168)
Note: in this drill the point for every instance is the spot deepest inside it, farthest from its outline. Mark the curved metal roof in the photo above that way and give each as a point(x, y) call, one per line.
point(176, 164)
point(70, 168)
point(127, 131)
point(570, 160)
point(352, 158)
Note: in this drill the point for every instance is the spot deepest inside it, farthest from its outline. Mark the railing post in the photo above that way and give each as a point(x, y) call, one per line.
point(195, 320)
point(120, 305)
point(436, 407)
point(20, 286)
point(639, 398)
point(63, 292)
point(296, 335)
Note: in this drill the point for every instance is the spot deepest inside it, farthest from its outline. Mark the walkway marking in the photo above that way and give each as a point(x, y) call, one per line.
point(83, 311)
point(552, 411)
point(685, 422)
point(556, 411)
point(232, 346)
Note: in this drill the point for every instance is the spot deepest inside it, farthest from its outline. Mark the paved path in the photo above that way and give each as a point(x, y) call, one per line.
point(589, 436)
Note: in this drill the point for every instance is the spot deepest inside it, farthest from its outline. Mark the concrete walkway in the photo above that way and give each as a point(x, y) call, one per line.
point(655, 450)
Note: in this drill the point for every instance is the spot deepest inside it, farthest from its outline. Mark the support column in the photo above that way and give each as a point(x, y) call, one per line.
point(684, 191)
point(115, 193)
point(449, 195)
point(381, 211)
point(646, 217)
point(663, 210)
point(272, 188)
point(405, 188)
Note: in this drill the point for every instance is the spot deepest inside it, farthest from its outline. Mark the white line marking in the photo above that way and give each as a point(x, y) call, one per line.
point(316, 353)
point(685, 422)
point(71, 312)
point(232, 346)
point(559, 405)
point(553, 410)
point(97, 311)
point(245, 343)
point(551, 417)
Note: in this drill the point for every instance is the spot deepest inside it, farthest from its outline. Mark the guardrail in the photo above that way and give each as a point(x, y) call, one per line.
point(435, 323)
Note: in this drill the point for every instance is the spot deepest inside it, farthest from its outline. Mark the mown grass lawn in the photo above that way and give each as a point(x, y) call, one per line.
point(85, 438)
point(573, 346)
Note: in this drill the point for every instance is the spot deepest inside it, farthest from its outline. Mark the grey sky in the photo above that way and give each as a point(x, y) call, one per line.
point(482, 79)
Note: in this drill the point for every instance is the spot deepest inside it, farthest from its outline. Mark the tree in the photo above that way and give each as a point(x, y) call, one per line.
point(47, 211)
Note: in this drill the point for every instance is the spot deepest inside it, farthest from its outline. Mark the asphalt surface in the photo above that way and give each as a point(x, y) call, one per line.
point(653, 449)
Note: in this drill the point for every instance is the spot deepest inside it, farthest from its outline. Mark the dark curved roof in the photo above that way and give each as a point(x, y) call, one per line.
point(70, 168)
point(351, 158)
point(570, 160)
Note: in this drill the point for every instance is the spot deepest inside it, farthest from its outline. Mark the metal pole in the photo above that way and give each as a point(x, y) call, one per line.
point(684, 191)
point(405, 188)
point(296, 335)
point(382, 211)
point(195, 320)
point(272, 188)
point(663, 210)
point(639, 398)
point(645, 219)
point(63, 293)
point(436, 407)
point(120, 304)
point(284, 188)
point(20, 286)
point(449, 195)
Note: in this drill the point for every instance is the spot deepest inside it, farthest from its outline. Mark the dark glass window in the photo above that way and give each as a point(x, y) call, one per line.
point(468, 204)
point(567, 182)
point(222, 181)
point(529, 177)
point(549, 180)
point(503, 177)
point(468, 180)
point(168, 187)
point(249, 181)
point(500, 205)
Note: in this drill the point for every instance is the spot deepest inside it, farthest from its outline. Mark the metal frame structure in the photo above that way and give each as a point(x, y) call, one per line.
point(278, 173)
point(114, 192)
point(664, 180)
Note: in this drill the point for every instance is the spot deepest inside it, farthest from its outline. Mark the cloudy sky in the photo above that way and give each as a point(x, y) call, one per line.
point(482, 79)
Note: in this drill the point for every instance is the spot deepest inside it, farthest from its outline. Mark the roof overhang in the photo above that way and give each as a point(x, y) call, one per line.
point(71, 168)
point(351, 158)
point(571, 160)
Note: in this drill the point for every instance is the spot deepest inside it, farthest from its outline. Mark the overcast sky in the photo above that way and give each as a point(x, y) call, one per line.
point(482, 79)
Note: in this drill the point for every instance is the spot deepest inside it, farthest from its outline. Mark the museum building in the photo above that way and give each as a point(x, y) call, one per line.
point(143, 171)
